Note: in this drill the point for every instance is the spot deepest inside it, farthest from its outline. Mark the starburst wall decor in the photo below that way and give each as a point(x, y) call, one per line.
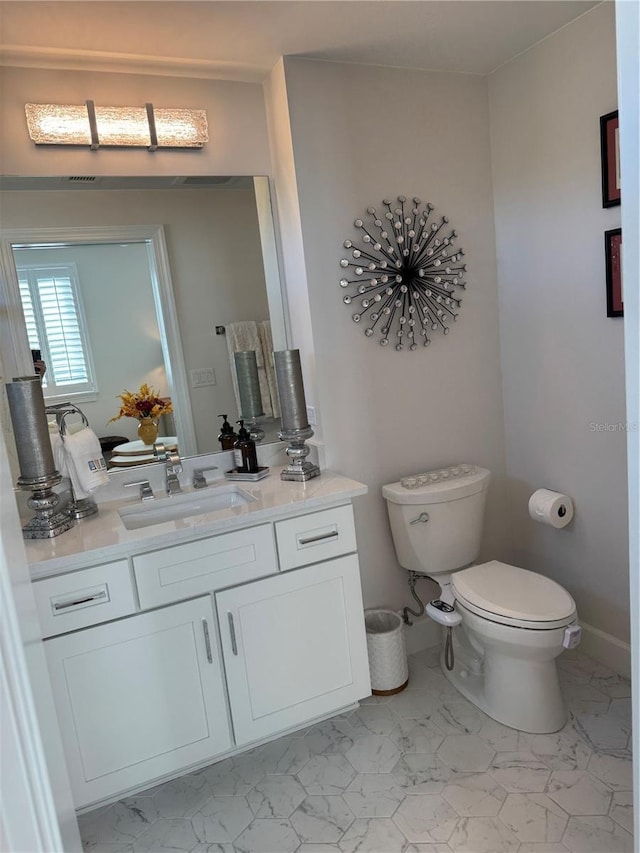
point(406, 278)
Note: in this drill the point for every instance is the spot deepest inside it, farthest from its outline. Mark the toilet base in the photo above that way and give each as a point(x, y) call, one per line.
point(516, 685)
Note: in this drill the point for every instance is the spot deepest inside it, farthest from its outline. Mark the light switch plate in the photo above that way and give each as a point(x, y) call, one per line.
point(203, 376)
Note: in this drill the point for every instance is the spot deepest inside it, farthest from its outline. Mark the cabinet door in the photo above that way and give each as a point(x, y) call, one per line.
point(294, 647)
point(139, 698)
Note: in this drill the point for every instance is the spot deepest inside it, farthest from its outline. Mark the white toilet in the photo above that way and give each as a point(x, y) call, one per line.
point(508, 625)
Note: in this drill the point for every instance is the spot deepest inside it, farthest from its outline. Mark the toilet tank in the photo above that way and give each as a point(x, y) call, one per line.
point(453, 501)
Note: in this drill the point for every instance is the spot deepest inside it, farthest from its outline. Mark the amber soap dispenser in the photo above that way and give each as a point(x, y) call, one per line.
point(244, 452)
point(227, 436)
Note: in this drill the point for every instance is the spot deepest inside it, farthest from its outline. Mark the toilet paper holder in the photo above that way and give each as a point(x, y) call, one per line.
point(551, 508)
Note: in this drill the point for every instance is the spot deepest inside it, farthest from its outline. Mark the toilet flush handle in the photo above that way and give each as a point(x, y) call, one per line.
point(424, 516)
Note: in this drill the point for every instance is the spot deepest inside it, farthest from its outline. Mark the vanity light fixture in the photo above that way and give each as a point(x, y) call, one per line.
point(138, 127)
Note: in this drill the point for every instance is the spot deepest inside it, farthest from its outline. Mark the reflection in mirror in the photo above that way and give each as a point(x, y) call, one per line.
point(138, 315)
point(77, 304)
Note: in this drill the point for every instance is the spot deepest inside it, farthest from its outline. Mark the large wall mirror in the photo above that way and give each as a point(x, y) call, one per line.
point(167, 275)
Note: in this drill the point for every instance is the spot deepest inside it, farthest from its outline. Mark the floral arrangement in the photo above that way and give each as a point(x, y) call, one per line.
point(145, 403)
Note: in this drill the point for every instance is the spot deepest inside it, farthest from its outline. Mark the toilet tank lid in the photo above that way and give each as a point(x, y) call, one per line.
point(451, 488)
point(510, 591)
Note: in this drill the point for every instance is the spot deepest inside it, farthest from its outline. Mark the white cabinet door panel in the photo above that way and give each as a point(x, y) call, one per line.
point(294, 647)
point(138, 698)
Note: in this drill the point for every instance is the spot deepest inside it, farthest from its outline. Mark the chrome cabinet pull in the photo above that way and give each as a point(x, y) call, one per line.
point(232, 631)
point(319, 538)
point(207, 640)
point(424, 516)
point(64, 605)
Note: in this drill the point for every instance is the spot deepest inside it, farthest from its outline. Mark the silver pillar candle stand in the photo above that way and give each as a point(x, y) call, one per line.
point(256, 433)
point(48, 520)
point(35, 457)
point(293, 411)
point(297, 451)
point(249, 391)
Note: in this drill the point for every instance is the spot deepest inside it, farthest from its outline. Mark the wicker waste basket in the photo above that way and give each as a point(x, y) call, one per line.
point(387, 652)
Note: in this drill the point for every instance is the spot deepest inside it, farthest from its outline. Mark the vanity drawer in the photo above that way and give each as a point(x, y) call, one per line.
point(88, 597)
point(184, 571)
point(318, 536)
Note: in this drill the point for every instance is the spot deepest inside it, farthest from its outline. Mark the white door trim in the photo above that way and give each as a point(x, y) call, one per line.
point(628, 58)
point(36, 808)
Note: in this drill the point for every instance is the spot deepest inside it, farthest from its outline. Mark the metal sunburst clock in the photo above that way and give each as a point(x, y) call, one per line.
point(406, 278)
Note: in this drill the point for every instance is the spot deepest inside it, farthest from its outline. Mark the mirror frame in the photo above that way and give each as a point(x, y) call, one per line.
point(16, 355)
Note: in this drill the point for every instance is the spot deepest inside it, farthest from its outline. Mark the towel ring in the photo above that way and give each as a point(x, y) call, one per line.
point(62, 426)
point(78, 507)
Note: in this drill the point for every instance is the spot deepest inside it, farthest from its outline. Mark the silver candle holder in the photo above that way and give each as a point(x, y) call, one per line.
point(293, 412)
point(38, 473)
point(249, 392)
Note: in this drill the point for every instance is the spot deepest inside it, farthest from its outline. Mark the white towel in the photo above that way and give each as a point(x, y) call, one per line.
point(264, 330)
point(243, 337)
point(59, 456)
point(85, 463)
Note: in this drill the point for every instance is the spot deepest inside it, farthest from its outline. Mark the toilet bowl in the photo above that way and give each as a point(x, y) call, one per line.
point(521, 622)
point(506, 625)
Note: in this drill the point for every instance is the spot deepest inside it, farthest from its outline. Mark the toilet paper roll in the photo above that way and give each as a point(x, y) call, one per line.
point(551, 508)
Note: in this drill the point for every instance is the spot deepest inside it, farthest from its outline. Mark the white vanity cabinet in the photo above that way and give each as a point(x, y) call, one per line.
point(139, 698)
point(294, 647)
point(184, 652)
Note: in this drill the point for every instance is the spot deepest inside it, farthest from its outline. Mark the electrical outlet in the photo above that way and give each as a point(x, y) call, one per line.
point(202, 377)
point(311, 415)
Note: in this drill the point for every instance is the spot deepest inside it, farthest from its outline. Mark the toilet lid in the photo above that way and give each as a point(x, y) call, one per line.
point(512, 593)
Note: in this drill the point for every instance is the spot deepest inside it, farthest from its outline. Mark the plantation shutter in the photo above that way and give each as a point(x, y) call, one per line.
point(29, 313)
point(55, 325)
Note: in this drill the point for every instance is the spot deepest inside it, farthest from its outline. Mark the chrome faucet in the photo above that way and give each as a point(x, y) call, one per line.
point(199, 480)
point(146, 492)
point(174, 467)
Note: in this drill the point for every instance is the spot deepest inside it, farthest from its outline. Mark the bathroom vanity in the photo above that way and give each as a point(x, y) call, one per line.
point(177, 643)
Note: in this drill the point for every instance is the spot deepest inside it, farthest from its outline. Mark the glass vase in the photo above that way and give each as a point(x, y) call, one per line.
point(148, 430)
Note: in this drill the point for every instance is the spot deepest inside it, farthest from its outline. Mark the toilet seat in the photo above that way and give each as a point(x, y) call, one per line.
point(509, 595)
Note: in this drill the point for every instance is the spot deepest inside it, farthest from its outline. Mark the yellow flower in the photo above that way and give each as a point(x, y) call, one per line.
point(143, 404)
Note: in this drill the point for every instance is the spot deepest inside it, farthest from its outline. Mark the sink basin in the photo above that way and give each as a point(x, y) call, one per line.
point(184, 506)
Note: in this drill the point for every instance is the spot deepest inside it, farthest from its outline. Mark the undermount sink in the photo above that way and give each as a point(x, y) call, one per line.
point(184, 505)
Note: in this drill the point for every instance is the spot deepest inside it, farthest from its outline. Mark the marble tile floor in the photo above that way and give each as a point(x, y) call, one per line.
point(421, 772)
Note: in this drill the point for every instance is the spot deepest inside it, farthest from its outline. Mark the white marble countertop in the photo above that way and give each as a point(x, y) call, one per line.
point(104, 537)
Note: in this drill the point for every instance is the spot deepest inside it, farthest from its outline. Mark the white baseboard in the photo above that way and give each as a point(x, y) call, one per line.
point(422, 634)
point(606, 649)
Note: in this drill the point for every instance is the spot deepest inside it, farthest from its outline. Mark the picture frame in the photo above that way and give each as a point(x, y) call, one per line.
point(610, 157)
point(613, 263)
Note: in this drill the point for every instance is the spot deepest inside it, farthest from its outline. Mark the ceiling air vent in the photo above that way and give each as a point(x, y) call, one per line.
point(207, 180)
point(81, 179)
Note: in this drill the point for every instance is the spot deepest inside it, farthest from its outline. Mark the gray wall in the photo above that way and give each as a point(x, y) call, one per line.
point(361, 134)
point(562, 358)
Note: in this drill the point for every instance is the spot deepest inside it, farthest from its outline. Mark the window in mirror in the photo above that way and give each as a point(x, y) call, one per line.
point(54, 318)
